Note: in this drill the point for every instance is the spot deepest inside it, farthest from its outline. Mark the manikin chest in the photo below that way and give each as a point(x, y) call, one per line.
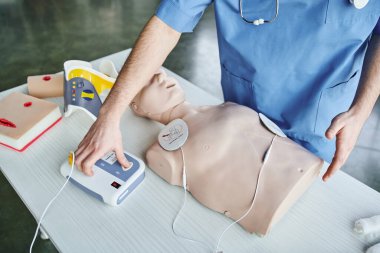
point(223, 155)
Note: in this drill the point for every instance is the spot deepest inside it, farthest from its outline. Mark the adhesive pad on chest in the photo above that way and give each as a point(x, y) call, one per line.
point(173, 135)
point(271, 125)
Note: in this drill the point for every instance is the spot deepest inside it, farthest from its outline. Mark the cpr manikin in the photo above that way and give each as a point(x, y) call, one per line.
point(224, 153)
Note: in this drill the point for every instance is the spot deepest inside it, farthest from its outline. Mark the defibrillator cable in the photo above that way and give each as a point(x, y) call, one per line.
point(266, 157)
point(184, 183)
point(53, 199)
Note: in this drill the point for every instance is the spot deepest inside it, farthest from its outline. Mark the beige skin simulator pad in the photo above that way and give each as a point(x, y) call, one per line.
point(45, 86)
point(24, 118)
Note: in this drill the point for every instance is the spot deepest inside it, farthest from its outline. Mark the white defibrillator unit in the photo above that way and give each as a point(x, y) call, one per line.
point(111, 183)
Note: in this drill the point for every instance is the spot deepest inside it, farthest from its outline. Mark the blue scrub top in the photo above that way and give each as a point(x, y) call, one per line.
point(301, 70)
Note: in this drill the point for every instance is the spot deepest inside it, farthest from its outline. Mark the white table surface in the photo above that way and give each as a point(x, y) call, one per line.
point(321, 221)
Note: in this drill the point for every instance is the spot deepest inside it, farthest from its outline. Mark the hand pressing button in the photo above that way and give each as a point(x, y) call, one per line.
point(127, 168)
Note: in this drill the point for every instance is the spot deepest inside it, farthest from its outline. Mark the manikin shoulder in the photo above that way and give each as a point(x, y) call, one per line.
point(164, 163)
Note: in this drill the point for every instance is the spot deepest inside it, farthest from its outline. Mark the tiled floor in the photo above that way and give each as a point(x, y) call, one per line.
point(37, 36)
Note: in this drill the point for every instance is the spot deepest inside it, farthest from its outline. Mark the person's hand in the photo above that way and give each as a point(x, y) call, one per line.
point(104, 136)
point(346, 128)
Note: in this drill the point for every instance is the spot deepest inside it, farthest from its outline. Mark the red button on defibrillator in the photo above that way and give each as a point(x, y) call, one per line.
point(115, 184)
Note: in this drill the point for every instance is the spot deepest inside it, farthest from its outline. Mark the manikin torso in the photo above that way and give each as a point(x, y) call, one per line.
point(224, 155)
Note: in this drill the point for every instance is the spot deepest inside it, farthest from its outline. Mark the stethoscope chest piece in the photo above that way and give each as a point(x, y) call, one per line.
point(359, 4)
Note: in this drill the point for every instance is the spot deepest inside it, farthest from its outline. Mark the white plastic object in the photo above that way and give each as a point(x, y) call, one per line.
point(68, 65)
point(174, 135)
point(368, 228)
point(83, 65)
point(374, 249)
point(43, 234)
point(73, 108)
point(368, 225)
point(258, 21)
point(104, 95)
point(271, 125)
point(111, 183)
point(359, 4)
point(108, 68)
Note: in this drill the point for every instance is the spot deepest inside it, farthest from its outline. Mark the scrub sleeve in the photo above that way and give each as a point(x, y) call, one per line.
point(182, 15)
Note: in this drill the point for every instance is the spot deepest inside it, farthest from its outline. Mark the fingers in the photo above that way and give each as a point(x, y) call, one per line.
point(341, 151)
point(160, 70)
point(89, 162)
point(336, 125)
point(160, 77)
point(80, 158)
point(103, 136)
point(83, 144)
point(82, 154)
point(79, 150)
point(170, 82)
point(86, 158)
point(121, 158)
point(339, 159)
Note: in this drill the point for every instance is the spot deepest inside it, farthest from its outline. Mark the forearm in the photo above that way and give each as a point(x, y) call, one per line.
point(152, 47)
point(369, 86)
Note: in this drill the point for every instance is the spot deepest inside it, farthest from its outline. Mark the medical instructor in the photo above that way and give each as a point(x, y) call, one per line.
point(314, 69)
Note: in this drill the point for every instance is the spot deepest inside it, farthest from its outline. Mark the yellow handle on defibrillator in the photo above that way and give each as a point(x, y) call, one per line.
point(96, 80)
point(71, 158)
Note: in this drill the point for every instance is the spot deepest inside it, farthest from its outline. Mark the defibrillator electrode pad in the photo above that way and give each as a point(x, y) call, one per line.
point(174, 135)
point(111, 183)
point(271, 125)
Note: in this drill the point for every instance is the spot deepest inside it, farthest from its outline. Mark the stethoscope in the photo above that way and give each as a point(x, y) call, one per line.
point(359, 4)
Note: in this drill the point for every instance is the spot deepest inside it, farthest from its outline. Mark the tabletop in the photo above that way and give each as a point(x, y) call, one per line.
point(321, 221)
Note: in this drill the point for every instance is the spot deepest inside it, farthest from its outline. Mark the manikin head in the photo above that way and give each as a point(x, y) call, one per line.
point(158, 98)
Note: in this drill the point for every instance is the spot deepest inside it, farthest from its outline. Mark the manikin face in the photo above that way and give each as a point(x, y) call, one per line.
point(160, 95)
